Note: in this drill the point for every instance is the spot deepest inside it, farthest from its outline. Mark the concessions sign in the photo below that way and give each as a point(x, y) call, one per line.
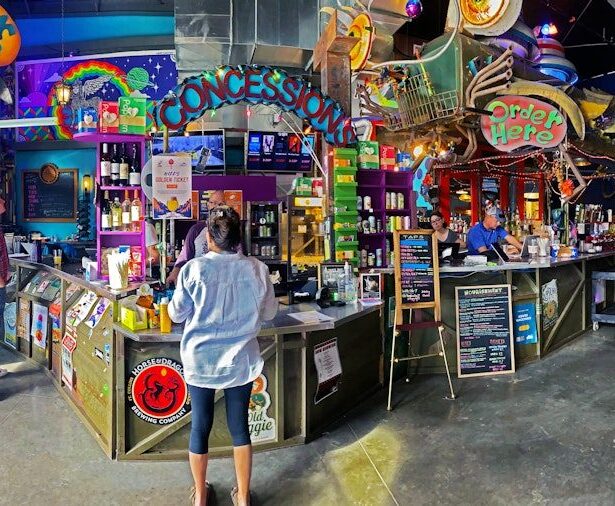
point(517, 121)
point(156, 391)
point(257, 85)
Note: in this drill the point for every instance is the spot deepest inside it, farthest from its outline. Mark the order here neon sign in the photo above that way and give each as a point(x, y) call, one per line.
point(517, 121)
point(257, 85)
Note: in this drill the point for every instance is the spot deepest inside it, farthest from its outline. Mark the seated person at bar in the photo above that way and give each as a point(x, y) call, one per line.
point(443, 233)
point(195, 245)
point(489, 231)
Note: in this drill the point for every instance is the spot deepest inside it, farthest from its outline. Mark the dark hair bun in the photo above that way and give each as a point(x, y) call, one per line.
point(224, 225)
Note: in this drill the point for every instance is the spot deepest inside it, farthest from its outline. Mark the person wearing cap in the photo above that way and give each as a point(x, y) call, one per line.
point(489, 231)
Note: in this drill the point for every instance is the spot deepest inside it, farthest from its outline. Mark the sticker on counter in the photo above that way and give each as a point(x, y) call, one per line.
point(38, 329)
point(262, 426)
point(10, 325)
point(328, 368)
point(524, 316)
point(156, 391)
point(98, 313)
point(99, 354)
point(69, 344)
point(550, 304)
point(81, 309)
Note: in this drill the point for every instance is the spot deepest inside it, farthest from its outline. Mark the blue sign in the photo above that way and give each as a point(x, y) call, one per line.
point(525, 323)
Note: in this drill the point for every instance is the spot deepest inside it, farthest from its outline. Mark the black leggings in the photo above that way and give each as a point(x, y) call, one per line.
point(237, 400)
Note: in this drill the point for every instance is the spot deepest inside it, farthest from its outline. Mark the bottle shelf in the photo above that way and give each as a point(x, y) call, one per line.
point(118, 232)
point(119, 188)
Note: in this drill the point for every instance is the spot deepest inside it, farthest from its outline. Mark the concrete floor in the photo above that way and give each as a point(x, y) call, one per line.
point(545, 435)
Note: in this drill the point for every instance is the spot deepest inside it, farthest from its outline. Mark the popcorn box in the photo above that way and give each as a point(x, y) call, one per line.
point(108, 113)
point(387, 157)
point(87, 119)
point(368, 155)
point(132, 115)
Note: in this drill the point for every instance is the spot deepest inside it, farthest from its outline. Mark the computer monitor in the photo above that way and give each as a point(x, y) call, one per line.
point(205, 147)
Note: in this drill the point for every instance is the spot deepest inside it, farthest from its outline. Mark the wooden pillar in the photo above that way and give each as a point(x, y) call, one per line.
point(332, 58)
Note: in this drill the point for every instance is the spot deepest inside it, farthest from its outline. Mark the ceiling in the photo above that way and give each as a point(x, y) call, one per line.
point(579, 22)
point(27, 8)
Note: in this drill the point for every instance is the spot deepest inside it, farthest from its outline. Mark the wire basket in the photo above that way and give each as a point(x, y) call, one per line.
point(420, 104)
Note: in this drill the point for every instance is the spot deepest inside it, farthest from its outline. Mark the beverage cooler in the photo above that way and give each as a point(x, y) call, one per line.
point(263, 230)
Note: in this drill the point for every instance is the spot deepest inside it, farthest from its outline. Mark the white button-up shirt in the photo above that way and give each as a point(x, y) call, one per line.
point(223, 298)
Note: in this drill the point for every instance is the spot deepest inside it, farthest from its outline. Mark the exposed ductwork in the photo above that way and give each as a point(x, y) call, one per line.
point(266, 32)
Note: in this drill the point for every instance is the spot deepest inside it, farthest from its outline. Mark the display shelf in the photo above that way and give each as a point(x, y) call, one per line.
point(398, 211)
point(119, 232)
point(371, 211)
point(119, 188)
point(346, 230)
point(96, 137)
point(375, 234)
point(396, 187)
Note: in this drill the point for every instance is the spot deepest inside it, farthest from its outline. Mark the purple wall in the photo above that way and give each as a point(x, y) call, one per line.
point(253, 187)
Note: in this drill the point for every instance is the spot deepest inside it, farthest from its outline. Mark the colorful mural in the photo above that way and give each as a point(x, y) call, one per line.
point(92, 79)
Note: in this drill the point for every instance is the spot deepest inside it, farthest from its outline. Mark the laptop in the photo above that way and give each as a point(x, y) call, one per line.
point(499, 251)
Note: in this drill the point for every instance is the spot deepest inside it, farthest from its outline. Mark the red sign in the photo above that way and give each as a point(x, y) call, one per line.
point(518, 121)
point(157, 392)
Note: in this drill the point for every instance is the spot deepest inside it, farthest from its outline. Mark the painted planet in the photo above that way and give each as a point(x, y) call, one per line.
point(138, 78)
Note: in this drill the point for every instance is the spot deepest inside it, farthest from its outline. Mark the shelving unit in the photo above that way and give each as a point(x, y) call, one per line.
point(345, 202)
point(375, 184)
point(269, 216)
point(106, 239)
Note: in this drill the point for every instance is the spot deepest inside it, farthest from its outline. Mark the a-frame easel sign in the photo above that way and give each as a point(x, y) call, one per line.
point(417, 286)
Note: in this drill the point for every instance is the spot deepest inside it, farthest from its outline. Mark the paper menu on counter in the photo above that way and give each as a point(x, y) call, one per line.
point(311, 317)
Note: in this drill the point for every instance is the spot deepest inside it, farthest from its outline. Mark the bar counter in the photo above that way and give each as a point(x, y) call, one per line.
point(119, 380)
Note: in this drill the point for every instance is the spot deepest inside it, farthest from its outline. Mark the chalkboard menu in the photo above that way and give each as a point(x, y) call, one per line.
point(50, 202)
point(417, 267)
point(485, 344)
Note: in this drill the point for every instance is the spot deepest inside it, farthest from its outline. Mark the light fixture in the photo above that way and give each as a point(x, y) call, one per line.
point(461, 192)
point(186, 133)
point(581, 161)
point(465, 198)
point(28, 122)
point(417, 151)
point(548, 29)
point(62, 90)
point(86, 182)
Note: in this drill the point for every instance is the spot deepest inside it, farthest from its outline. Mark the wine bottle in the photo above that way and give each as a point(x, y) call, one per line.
point(105, 166)
point(105, 215)
point(126, 222)
point(115, 167)
point(135, 212)
point(116, 214)
point(134, 178)
point(124, 167)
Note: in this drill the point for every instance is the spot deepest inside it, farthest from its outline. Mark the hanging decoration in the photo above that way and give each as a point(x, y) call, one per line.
point(255, 84)
point(414, 8)
point(485, 17)
point(10, 38)
point(551, 59)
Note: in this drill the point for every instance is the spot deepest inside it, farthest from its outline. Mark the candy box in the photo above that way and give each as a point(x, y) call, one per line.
point(368, 155)
point(87, 119)
point(132, 115)
point(108, 114)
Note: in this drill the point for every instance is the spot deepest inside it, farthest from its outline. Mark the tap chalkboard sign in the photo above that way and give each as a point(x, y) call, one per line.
point(50, 202)
point(485, 342)
point(416, 269)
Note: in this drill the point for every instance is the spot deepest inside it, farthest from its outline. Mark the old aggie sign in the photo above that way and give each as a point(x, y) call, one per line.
point(518, 121)
point(257, 85)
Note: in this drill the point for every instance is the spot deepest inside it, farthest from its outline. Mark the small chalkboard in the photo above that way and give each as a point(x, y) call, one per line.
point(50, 202)
point(416, 269)
point(485, 342)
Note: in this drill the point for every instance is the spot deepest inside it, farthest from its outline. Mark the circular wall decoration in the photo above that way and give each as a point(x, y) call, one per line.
point(481, 12)
point(49, 173)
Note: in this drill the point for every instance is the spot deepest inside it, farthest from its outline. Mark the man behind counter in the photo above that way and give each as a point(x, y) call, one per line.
point(489, 231)
point(195, 244)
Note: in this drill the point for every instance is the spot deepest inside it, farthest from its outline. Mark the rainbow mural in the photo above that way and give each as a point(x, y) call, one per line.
point(149, 76)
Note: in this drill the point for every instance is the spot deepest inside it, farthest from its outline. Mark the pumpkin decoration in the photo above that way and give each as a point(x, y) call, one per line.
point(10, 39)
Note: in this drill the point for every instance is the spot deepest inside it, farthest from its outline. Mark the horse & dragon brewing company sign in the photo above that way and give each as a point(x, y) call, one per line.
point(156, 391)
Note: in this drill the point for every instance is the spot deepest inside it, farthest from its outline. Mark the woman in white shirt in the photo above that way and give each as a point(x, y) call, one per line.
point(223, 297)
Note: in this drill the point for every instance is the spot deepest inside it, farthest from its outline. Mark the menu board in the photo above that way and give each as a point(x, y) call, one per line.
point(279, 152)
point(485, 344)
point(416, 268)
point(50, 202)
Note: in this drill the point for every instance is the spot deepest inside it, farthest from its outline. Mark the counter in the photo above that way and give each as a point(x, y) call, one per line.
point(128, 389)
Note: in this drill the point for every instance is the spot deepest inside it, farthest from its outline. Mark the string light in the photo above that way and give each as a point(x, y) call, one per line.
point(417, 151)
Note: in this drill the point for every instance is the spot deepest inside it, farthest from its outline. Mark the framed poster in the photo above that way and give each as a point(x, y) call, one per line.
point(371, 288)
point(328, 274)
point(171, 186)
point(485, 341)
